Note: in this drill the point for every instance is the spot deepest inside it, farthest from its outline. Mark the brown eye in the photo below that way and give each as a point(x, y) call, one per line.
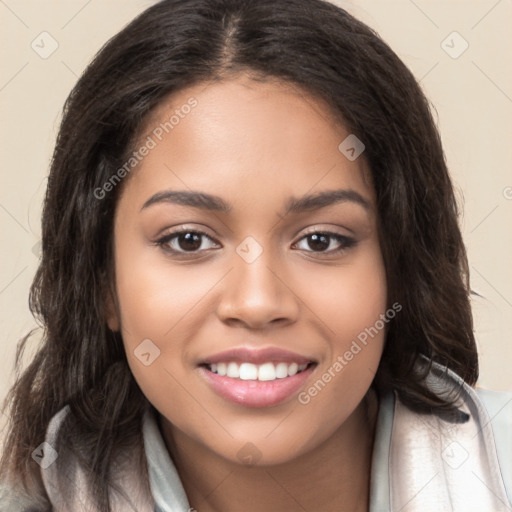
point(185, 241)
point(320, 241)
point(188, 241)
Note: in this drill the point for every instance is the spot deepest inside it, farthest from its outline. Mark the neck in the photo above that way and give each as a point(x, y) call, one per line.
point(334, 476)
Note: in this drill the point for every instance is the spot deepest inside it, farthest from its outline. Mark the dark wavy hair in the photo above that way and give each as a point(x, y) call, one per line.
point(323, 51)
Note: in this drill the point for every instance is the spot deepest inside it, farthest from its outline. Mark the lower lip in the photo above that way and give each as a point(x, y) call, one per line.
point(255, 393)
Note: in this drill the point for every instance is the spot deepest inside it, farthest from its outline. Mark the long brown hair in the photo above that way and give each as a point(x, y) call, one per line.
point(178, 43)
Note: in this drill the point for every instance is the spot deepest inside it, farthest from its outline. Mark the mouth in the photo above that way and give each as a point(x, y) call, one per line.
point(262, 378)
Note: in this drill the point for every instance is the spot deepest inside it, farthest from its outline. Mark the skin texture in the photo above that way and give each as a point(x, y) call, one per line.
point(254, 144)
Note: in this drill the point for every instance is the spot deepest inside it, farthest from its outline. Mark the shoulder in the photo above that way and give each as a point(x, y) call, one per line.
point(498, 406)
point(437, 460)
point(65, 479)
point(13, 498)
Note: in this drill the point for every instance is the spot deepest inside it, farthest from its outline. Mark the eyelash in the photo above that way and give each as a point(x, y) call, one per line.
point(344, 241)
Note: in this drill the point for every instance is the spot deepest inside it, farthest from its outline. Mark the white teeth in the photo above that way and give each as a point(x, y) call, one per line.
point(281, 370)
point(233, 371)
point(293, 369)
point(248, 371)
point(267, 371)
point(262, 372)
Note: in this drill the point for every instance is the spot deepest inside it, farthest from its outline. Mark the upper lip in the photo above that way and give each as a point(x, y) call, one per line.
point(257, 356)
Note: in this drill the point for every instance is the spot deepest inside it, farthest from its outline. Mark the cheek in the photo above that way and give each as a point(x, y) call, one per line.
point(359, 303)
point(352, 305)
point(156, 303)
point(154, 296)
point(348, 298)
point(167, 304)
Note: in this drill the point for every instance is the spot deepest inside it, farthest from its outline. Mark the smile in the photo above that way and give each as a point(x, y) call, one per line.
point(256, 378)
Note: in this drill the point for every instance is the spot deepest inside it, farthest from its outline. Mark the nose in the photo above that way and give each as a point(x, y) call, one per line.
point(258, 295)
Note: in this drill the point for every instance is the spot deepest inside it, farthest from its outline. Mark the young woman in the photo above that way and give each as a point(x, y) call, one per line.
point(253, 285)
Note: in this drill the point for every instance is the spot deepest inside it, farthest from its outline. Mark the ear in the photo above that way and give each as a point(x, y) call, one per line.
point(112, 316)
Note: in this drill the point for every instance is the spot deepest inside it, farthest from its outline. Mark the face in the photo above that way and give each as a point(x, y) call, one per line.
point(248, 271)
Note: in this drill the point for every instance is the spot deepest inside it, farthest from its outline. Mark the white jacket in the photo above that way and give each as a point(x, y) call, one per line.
point(420, 462)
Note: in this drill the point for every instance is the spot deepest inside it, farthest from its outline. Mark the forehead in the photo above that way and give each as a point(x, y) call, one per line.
point(239, 136)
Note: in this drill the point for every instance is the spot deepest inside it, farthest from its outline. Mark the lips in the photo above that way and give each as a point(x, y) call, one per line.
point(256, 378)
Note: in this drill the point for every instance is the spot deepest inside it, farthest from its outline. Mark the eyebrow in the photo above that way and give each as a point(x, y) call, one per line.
point(210, 202)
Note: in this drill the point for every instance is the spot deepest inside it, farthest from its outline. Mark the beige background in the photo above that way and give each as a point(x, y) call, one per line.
point(472, 95)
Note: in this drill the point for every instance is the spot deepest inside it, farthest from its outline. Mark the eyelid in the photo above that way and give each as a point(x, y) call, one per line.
point(163, 240)
point(184, 228)
point(327, 229)
point(333, 229)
